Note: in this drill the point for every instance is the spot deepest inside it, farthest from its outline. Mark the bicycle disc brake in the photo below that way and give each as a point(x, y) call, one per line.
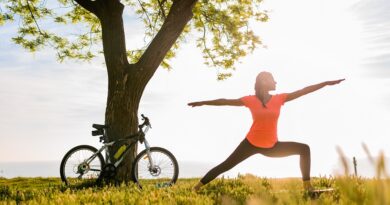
point(155, 171)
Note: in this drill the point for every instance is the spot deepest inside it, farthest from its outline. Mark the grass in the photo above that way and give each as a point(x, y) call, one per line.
point(245, 189)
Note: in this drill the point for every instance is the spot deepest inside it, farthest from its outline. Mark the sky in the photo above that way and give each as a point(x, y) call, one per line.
point(47, 107)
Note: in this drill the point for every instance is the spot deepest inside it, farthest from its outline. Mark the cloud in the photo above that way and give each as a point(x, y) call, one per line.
point(375, 20)
point(381, 64)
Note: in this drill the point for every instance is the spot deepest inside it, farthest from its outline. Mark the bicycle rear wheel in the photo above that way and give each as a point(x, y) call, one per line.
point(80, 166)
point(164, 172)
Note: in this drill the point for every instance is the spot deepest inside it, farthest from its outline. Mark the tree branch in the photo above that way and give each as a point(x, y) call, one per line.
point(44, 34)
point(178, 17)
point(204, 41)
point(147, 15)
point(33, 17)
point(160, 4)
point(89, 5)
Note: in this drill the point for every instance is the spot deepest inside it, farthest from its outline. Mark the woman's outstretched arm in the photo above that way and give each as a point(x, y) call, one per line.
point(217, 102)
point(309, 89)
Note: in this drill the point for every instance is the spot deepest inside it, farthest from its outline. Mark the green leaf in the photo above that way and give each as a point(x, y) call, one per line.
point(222, 28)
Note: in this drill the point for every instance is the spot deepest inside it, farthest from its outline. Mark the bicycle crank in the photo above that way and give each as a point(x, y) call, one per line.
point(109, 171)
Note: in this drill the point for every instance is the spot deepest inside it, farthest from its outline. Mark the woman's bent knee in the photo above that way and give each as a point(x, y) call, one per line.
point(305, 149)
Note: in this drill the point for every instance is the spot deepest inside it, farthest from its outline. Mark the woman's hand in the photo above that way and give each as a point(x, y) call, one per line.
point(195, 104)
point(334, 82)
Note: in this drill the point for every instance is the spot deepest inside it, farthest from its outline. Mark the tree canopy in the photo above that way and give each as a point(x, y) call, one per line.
point(222, 28)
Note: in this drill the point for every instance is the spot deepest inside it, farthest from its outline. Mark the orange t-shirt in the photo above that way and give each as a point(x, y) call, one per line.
point(263, 132)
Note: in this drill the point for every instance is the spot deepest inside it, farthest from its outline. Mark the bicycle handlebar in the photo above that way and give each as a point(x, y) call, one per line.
point(146, 122)
point(100, 128)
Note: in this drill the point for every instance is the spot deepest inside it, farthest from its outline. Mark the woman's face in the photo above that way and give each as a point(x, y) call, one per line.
point(267, 81)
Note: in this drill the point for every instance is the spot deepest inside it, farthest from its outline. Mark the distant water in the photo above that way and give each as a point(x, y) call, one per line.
point(187, 169)
point(30, 169)
point(52, 169)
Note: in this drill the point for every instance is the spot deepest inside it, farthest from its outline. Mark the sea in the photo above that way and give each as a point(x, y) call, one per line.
point(52, 169)
point(187, 169)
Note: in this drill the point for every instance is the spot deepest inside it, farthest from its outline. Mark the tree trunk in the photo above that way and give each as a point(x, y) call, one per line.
point(123, 95)
point(121, 117)
point(126, 82)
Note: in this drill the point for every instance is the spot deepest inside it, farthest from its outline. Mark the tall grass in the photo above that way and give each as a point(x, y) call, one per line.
point(245, 189)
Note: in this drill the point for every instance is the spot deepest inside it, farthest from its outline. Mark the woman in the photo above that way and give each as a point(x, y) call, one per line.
point(262, 137)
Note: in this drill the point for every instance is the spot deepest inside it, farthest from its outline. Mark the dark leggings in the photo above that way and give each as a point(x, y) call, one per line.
point(280, 149)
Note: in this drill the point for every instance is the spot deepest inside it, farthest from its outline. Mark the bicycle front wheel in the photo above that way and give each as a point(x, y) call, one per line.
point(82, 164)
point(163, 172)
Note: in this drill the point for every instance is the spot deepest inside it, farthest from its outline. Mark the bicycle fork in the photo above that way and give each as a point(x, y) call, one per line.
point(147, 147)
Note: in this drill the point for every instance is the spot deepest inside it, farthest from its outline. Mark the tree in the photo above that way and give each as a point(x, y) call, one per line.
point(223, 26)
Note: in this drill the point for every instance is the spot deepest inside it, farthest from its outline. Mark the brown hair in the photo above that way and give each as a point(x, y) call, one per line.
point(258, 86)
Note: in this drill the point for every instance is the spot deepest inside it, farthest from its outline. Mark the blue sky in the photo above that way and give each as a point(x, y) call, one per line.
point(48, 107)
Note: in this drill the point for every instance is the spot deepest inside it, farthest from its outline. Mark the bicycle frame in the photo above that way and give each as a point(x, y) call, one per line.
point(133, 139)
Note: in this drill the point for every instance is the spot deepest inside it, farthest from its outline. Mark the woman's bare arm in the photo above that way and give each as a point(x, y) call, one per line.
point(309, 89)
point(217, 102)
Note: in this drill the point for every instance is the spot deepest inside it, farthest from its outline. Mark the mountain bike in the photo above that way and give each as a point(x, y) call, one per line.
point(154, 165)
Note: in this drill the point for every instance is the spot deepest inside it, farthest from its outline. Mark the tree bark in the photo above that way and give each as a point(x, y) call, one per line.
point(122, 98)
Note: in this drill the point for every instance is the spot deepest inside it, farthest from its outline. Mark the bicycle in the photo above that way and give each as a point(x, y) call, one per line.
point(153, 165)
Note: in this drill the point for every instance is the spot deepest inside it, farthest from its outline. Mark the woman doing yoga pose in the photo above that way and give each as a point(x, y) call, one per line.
point(262, 137)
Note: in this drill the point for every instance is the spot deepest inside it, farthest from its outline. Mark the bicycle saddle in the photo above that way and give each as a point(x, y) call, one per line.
point(97, 126)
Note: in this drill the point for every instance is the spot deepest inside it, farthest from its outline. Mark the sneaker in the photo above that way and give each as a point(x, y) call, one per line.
point(197, 187)
point(307, 186)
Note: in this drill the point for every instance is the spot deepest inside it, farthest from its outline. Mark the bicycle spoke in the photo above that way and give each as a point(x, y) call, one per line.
point(75, 169)
point(164, 170)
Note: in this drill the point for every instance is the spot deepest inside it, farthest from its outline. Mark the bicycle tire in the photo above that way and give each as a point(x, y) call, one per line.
point(75, 166)
point(161, 177)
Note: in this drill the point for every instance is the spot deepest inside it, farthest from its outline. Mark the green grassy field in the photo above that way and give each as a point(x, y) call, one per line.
point(246, 189)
